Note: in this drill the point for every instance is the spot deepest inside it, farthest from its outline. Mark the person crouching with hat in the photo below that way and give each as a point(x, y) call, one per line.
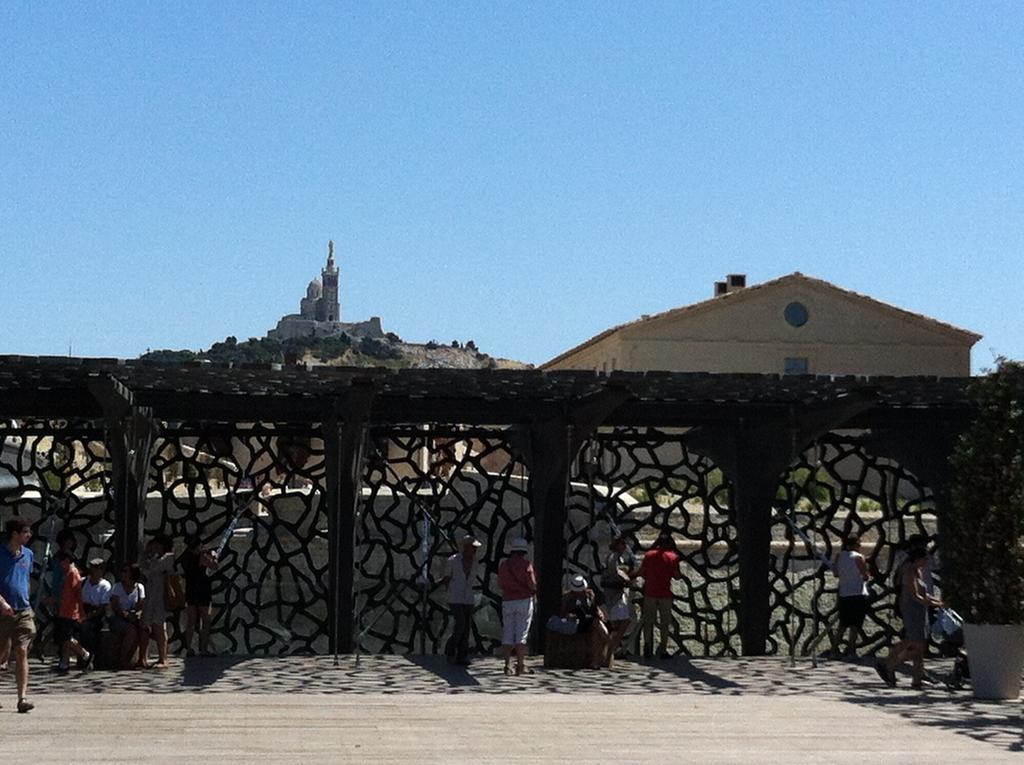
point(579, 603)
point(518, 583)
point(461, 577)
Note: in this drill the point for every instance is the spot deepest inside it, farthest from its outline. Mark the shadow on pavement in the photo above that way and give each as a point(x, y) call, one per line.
point(687, 670)
point(995, 722)
point(457, 676)
point(203, 671)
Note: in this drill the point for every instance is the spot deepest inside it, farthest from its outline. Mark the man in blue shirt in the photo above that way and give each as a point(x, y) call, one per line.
point(17, 626)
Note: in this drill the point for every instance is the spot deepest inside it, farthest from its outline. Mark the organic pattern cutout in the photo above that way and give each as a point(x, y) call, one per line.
point(422, 491)
point(641, 481)
point(835, 488)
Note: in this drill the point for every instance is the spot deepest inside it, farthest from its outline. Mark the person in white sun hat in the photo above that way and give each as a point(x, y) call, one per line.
point(518, 583)
point(461, 576)
point(579, 603)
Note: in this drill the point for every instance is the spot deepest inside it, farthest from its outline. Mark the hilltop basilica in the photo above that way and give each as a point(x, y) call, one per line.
point(320, 312)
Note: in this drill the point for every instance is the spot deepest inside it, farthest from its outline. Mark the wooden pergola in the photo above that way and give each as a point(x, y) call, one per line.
point(751, 426)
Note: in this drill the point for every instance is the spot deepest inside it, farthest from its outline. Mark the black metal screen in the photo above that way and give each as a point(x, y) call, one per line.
point(423, 489)
point(57, 476)
point(837, 487)
point(269, 587)
point(641, 482)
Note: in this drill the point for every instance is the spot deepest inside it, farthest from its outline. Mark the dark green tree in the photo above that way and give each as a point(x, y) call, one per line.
point(166, 356)
point(983, 527)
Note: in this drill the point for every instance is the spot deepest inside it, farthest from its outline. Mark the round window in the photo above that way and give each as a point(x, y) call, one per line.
point(796, 314)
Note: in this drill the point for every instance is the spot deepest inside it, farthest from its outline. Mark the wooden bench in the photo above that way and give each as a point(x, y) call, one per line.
point(566, 651)
point(108, 651)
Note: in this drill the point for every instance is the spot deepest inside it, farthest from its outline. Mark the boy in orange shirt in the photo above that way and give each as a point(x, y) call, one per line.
point(69, 616)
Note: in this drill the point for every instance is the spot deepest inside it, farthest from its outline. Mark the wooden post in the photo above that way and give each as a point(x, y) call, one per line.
point(549, 477)
point(754, 455)
point(549, 450)
point(131, 434)
point(344, 433)
point(753, 493)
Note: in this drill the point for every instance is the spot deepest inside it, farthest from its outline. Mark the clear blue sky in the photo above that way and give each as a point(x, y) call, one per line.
point(520, 175)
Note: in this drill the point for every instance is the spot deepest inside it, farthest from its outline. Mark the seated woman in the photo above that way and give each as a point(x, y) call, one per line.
point(127, 599)
point(579, 602)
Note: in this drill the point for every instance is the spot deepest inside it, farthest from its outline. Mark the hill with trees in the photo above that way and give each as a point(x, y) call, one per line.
point(340, 350)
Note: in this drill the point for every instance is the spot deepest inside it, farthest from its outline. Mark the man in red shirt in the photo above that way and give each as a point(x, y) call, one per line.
point(659, 567)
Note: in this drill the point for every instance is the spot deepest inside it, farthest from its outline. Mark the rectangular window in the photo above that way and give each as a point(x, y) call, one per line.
point(795, 366)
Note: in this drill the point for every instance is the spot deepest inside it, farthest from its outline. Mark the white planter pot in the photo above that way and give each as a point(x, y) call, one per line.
point(996, 656)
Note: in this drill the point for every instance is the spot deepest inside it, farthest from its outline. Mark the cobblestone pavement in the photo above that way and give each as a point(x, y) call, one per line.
point(819, 708)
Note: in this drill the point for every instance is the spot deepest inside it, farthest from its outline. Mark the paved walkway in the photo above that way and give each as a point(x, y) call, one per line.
point(418, 709)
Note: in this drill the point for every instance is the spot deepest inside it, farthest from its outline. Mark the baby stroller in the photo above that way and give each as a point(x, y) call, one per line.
point(948, 631)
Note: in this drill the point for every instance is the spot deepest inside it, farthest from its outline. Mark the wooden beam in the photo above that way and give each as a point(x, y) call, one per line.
point(48, 404)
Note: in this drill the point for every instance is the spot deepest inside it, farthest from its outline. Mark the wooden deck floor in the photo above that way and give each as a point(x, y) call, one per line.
point(419, 710)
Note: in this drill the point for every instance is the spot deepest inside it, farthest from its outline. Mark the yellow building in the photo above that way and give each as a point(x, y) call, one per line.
point(792, 325)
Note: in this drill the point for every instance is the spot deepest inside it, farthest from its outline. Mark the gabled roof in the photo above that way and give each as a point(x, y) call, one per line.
point(789, 279)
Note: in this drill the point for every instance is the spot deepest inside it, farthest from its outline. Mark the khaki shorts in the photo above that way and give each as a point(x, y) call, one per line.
point(18, 628)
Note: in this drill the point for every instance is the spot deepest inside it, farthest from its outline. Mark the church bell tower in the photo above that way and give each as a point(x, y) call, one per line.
point(328, 307)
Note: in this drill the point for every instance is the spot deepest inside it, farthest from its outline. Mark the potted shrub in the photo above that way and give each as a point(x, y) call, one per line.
point(983, 533)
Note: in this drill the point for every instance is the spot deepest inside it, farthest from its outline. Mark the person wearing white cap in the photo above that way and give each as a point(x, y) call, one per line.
point(460, 577)
point(579, 602)
point(518, 583)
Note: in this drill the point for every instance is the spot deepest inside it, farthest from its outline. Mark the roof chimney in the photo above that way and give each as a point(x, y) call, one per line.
point(721, 288)
point(736, 281)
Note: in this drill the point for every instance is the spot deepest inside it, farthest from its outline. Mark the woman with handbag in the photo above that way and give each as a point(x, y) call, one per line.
point(620, 567)
point(579, 603)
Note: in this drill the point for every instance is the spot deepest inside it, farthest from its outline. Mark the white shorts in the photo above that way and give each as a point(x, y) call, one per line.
point(516, 616)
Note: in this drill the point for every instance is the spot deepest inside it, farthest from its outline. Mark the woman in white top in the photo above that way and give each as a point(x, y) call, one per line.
point(127, 599)
point(852, 570)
